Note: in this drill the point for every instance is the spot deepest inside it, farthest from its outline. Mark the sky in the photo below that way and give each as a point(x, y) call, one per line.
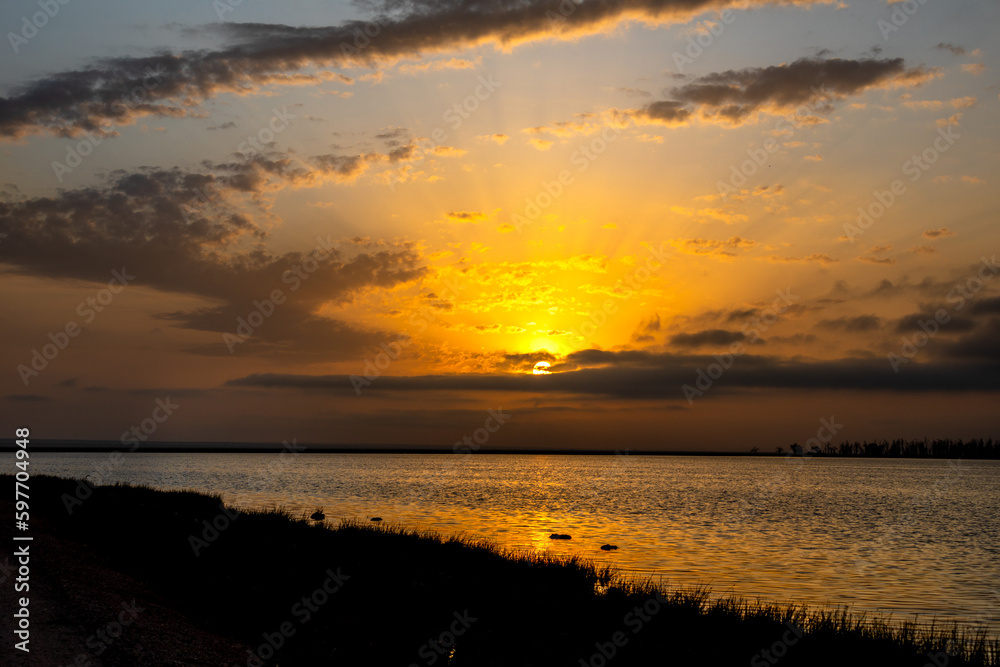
point(649, 224)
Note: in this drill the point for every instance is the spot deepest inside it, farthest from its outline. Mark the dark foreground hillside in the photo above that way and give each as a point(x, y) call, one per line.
point(135, 576)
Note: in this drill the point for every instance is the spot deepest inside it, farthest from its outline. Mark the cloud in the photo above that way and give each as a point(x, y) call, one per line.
point(982, 344)
point(871, 259)
point(956, 103)
point(975, 180)
point(646, 375)
point(952, 120)
point(922, 249)
point(566, 128)
point(719, 215)
point(955, 50)
point(815, 258)
point(466, 217)
point(699, 246)
point(645, 333)
point(187, 232)
point(438, 65)
point(810, 85)
point(256, 55)
point(497, 138)
point(939, 233)
point(912, 323)
point(974, 68)
point(857, 324)
point(714, 337)
point(541, 144)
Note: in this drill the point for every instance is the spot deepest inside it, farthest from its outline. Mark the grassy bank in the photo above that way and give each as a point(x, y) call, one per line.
point(298, 593)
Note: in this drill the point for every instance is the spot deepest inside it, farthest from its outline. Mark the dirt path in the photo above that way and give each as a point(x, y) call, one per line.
point(78, 604)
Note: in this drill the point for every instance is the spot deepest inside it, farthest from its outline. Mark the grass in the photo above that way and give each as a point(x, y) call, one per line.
point(401, 589)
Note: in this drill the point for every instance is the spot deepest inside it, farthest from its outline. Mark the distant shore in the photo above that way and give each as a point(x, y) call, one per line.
point(203, 583)
point(939, 449)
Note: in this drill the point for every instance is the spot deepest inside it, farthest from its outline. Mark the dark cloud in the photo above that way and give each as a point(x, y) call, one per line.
point(794, 339)
point(852, 324)
point(741, 314)
point(26, 398)
point(983, 343)
point(647, 329)
point(735, 96)
point(643, 375)
point(182, 231)
point(524, 362)
point(911, 323)
point(258, 55)
point(990, 306)
point(938, 233)
point(707, 337)
point(955, 50)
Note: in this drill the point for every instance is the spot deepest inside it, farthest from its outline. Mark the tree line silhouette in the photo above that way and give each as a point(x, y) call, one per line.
point(916, 449)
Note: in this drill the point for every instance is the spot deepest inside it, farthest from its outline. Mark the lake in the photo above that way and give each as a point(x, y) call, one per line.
point(910, 537)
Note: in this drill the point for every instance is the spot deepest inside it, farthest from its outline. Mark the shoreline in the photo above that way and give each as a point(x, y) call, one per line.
point(62, 446)
point(234, 577)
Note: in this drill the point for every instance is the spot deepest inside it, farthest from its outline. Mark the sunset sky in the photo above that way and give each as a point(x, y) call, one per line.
point(717, 223)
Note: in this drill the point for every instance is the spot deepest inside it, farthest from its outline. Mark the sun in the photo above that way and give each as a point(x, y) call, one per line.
point(542, 368)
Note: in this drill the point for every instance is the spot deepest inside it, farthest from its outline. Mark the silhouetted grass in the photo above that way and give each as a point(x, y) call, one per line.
point(403, 587)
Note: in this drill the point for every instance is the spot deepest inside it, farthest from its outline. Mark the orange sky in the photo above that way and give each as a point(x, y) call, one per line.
point(717, 223)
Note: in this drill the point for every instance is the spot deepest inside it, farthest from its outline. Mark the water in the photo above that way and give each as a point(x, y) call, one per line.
point(910, 537)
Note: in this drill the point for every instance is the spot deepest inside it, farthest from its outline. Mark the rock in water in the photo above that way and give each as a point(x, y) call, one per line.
point(560, 536)
point(608, 547)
